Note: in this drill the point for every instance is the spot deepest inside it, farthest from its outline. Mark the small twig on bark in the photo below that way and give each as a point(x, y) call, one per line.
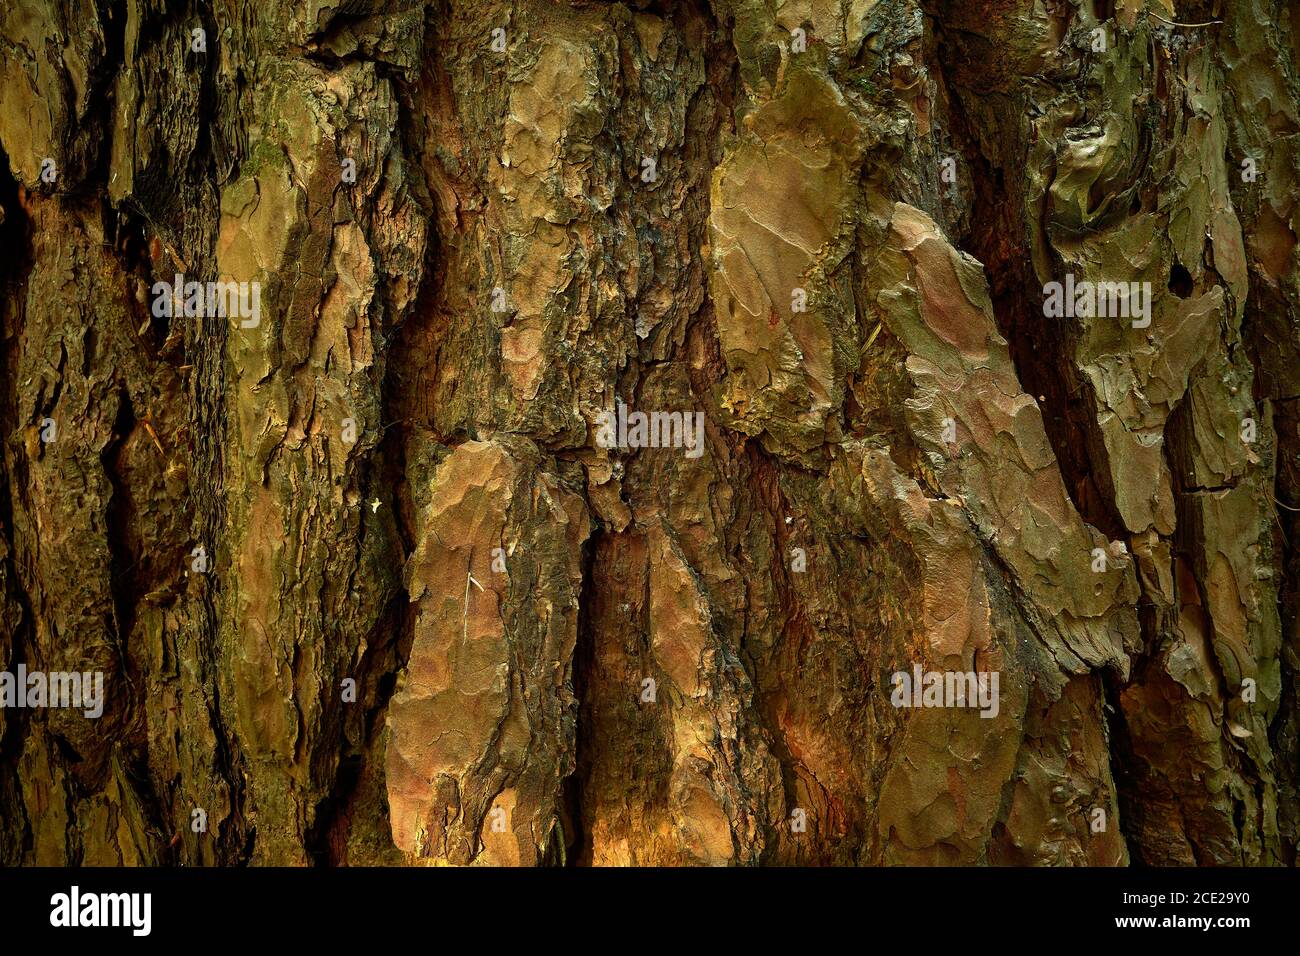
point(154, 435)
point(1193, 26)
point(871, 339)
point(1273, 503)
point(469, 578)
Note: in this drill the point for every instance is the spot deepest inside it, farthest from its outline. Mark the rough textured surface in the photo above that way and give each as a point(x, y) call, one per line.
point(367, 586)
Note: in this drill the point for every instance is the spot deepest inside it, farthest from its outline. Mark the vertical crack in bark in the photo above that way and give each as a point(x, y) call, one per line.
point(15, 606)
point(578, 840)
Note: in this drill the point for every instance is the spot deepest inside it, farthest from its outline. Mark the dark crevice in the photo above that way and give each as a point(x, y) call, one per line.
point(577, 839)
point(1123, 760)
point(998, 237)
point(1040, 348)
point(329, 814)
point(123, 556)
point(15, 606)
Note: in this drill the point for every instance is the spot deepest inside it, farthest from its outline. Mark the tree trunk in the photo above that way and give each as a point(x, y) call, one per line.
point(379, 563)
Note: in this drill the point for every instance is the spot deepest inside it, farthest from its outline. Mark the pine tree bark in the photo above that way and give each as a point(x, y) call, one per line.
point(366, 588)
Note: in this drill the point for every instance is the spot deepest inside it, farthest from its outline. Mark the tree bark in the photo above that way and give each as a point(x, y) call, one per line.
point(366, 584)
